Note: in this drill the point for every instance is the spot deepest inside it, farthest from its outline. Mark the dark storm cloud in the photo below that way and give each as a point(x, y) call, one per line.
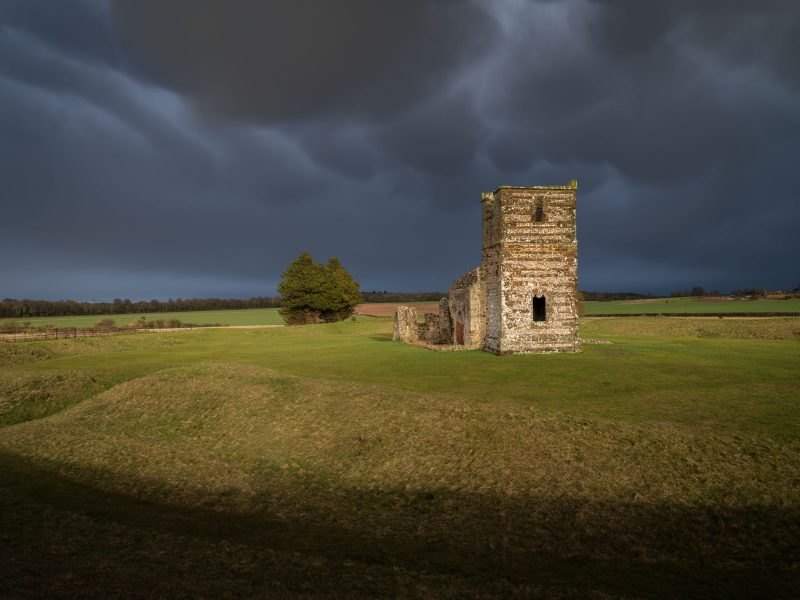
point(183, 148)
point(78, 28)
point(636, 85)
point(692, 111)
point(268, 61)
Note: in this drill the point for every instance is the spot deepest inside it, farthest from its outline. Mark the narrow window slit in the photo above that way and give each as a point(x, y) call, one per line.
point(538, 210)
point(539, 308)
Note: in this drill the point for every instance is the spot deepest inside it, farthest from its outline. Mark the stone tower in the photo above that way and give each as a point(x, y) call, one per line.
point(530, 269)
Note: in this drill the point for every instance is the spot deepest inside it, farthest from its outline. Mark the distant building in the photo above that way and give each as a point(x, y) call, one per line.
point(524, 296)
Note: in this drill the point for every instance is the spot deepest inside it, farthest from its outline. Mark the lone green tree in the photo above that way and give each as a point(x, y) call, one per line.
point(316, 293)
point(342, 294)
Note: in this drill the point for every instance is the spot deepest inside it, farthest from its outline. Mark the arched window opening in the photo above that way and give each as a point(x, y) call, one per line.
point(539, 308)
point(538, 210)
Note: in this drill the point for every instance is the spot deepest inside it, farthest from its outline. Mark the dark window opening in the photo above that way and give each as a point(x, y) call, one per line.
point(539, 308)
point(538, 210)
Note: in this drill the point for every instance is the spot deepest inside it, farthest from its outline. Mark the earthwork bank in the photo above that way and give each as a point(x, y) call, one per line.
point(327, 461)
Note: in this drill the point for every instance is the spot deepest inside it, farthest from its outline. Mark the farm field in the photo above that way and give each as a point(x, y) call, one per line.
point(690, 305)
point(386, 309)
point(245, 316)
point(326, 461)
point(270, 316)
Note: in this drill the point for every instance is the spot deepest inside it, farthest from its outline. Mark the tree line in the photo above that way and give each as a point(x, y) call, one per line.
point(604, 296)
point(11, 308)
point(17, 309)
point(695, 291)
point(384, 296)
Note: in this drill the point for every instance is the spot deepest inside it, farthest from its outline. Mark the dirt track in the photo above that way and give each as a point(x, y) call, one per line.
point(386, 309)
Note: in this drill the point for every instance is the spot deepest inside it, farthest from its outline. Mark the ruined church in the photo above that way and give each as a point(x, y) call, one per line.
point(523, 298)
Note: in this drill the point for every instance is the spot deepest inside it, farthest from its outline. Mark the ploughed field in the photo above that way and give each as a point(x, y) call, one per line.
point(386, 309)
point(327, 461)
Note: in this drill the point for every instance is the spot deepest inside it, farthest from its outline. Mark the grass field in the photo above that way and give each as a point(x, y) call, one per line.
point(327, 461)
point(247, 316)
point(270, 316)
point(690, 305)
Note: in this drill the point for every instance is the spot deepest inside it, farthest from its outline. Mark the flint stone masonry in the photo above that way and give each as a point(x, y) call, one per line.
point(467, 311)
point(524, 296)
point(437, 329)
point(405, 324)
point(429, 330)
point(445, 322)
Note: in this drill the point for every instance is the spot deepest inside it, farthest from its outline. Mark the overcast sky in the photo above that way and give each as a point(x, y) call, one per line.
point(172, 148)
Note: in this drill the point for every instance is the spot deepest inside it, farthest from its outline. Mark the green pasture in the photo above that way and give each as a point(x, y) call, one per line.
point(328, 461)
point(690, 305)
point(270, 316)
point(246, 316)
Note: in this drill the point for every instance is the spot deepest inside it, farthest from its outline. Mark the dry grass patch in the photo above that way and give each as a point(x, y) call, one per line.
point(485, 487)
point(117, 343)
point(16, 353)
point(23, 353)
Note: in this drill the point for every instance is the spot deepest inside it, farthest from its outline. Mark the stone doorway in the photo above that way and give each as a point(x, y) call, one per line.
point(459, 333)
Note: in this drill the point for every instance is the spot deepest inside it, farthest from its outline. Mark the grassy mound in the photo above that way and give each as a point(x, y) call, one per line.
point(210, 466)
point(31, 395)
point(14, 353)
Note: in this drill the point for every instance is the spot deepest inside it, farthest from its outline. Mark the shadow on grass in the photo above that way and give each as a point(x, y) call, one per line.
point(382, 337)
point(64, 538)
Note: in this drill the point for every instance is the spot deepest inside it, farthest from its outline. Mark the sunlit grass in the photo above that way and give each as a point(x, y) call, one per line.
point(329, 461)
point(690, 305)
point(247, 316)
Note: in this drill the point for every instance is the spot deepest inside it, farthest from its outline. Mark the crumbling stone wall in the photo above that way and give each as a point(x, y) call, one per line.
point(531, 250)
point(445, 322)
point(466, 307)
point(429, 329)
point(437, 329)
point(405, 324)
